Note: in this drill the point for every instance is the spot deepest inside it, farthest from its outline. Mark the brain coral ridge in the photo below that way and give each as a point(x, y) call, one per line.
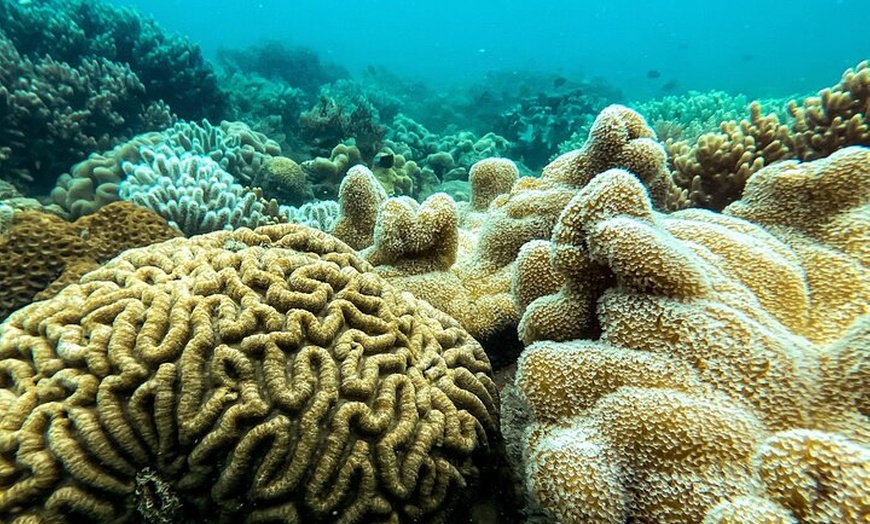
point(697, 367)
point(255, 375)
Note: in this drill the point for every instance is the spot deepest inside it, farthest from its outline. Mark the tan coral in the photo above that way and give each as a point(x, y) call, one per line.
point(489, 178)
point(712, 347)
point(250, 376)
point(715, 168)
point(416, 238)
point(42, 253)
point(360, 197)
point(820, 210)
point(838, 117)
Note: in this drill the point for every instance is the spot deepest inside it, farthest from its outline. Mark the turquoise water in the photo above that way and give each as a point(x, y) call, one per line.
point(771, 48)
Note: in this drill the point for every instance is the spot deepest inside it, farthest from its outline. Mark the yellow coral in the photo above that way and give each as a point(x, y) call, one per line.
point(489, 178)
point(261, 375)
point(360, 197)
point(705, 352)
point(416, 238)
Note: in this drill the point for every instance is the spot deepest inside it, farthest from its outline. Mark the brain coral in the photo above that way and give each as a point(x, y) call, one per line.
point(42, 253)
point(256, 376)
point(712, 378)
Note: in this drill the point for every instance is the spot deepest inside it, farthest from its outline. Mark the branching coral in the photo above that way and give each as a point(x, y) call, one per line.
point(237, 149)
point(264, 376)
point(53, 114)
point(170, 67)
point(716, 167)
point(723, 384)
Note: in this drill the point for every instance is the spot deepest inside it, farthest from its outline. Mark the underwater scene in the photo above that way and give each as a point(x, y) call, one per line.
point(434, 262)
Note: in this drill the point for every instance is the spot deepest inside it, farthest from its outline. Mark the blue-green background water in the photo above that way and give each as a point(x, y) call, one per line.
point(759, 48)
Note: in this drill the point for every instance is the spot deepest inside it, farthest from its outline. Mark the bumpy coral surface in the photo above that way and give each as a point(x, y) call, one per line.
point(256, 376)
point(691, 367)
point(42, 253)
point(715, 168)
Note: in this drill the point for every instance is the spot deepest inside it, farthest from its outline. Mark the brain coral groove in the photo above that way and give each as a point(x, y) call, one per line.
point(256, 376)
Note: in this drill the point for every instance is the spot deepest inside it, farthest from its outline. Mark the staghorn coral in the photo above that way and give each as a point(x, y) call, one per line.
point(704, 375)
point(256, 376)
point(43, 253)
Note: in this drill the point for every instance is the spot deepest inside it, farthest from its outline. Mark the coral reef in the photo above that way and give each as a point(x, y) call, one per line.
point(264, 375)
point(197, 196)
point(53, 114)
point(715, 168)
point(538, 125)
point(42, 253)
point(284, 180)
point(475, 288)
point(297, 67)
point(170, 67)
point(333, 121)
point(698, 367)
point(325, 175)
point(238, 150)
point(442, 156)
point(192, 192)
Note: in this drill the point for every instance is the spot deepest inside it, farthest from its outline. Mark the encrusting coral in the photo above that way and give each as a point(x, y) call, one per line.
point(42, 253)
point(704, 373)
point(255, 375)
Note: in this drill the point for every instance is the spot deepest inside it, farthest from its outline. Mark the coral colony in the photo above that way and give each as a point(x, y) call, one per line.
point(227, 296)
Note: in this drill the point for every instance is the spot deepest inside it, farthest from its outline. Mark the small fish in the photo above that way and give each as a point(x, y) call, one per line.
point(372, 70)
point(670, 86)
point(747, 57)
point(559, 81)
point(652, 74)
point(385, 160)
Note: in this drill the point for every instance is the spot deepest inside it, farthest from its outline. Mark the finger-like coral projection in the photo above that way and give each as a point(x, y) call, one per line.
point(489, 178)
point(696, 367)
point(715, 168)
point(248, 376)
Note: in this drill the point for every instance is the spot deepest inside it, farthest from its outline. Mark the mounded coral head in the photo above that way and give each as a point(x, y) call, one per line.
point(282, 178)
point(418, 238)
point(265, 375)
